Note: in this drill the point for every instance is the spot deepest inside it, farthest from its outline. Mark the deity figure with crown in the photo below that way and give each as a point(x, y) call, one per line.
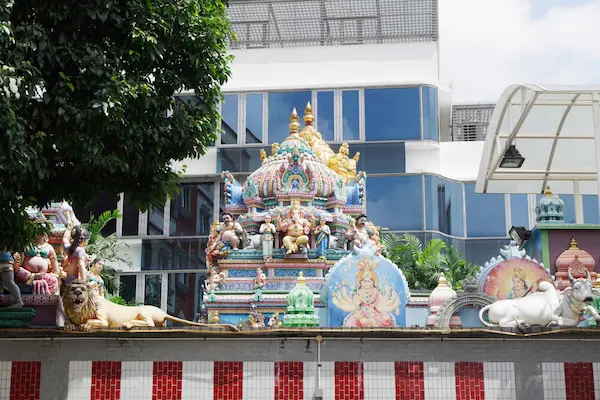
point(296, 229)
point(367, 305)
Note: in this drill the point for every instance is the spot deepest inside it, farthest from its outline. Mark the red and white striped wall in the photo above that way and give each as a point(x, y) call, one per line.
point(20, 380)
point(571, 381)
point(173, 380)
point(167, 380)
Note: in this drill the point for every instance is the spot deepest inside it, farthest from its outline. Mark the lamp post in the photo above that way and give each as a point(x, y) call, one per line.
point(512, 158)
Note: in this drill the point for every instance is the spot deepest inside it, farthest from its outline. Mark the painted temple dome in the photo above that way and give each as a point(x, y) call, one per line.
point(300, 309)
point(296, 170)
point(550, 208)
point(575, 262)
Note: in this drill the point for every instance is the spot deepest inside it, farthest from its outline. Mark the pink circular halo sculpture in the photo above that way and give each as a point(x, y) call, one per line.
point(512, 274)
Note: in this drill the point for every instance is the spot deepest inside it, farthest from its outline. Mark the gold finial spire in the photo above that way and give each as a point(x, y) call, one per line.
point(294, 125)
point(442, 281)
point(573, 244)
point(308, 115)
point(548, 192)
point(301, 279)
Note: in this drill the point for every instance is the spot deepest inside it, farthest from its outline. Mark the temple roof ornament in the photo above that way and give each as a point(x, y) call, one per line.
point(301, 311)
point(575, 260)
point(550, 208)
point(301, 168)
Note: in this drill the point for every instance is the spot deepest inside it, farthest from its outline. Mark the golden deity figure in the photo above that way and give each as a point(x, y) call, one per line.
point(274, 148)
point(344, 165)
point(263, 155)
point(296, 229)
point(314, 138)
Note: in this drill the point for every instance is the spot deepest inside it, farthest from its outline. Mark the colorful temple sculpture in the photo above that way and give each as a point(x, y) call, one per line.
point(301, 214)
point(54, 282)
point(301, 310)
point(294, 248)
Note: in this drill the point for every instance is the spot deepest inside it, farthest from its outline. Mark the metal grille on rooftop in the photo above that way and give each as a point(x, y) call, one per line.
point(304, 23)
point(470, 121)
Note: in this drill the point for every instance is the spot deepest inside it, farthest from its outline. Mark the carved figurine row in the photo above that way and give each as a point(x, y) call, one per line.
point(296, 227)
point(37, 266)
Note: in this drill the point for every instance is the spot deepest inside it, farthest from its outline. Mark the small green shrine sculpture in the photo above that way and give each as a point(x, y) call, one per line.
point(301, 306)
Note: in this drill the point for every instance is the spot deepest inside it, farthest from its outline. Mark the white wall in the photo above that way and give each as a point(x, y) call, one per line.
point(453, 160)
point(334, 67)
point(133, 250)
point(195, 167)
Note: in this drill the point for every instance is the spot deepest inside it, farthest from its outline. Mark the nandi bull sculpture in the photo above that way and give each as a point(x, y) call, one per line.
point(576, 299)
point(545, 307)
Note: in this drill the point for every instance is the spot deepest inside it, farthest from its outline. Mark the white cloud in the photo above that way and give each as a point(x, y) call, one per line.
point(487, 45)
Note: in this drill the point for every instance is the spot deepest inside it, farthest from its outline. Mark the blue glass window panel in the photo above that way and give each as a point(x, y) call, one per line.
point(156, 221)
point(431, 204)
point(519, 210)
point(453, 208)
point(429, 100)
point(392, 114)
point(444, 206)
point(254, 118)
point(239, 159)
point(185, 294)
point(325, 115)
point(130, 218)
point(590, 209)
point(281, 105)
point(568, 209)
point(395, 202)
point(229, 124)
point(379, 158)
point(485, 214)
point(192, 210)
point(350, 115)
point(173, 254)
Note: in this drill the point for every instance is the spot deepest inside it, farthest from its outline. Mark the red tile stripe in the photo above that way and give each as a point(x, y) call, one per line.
point(106, 380)
point(25, 380)
point(349, 381)
point(166, 380)
point(228, 380)
point(289, 380)
point(579, 381)
point(469, 381)
point(410, 381)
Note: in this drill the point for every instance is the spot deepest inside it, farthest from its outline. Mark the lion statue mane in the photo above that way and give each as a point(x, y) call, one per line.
point(86, 310)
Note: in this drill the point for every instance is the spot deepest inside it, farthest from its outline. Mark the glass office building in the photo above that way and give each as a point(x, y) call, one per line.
point(373, 83)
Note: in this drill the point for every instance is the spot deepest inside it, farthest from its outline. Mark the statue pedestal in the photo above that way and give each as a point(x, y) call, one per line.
point(44, 306)
point(16, 318)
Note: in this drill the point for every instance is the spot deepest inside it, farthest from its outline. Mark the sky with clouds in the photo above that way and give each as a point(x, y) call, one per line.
point(487, 45)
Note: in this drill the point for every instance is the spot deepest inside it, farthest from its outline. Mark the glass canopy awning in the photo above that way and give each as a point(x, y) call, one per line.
point(556, 129)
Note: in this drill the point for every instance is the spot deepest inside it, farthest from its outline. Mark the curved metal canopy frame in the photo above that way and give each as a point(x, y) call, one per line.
point(556, 129)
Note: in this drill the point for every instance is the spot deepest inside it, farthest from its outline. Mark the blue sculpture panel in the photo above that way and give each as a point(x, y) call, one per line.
point(366, 291)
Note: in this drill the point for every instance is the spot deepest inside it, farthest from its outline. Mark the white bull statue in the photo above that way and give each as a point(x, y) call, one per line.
point(545, 307)
point(576, 299)
point(538, 308)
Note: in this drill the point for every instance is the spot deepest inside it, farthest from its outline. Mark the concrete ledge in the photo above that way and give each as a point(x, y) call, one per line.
point(348, 333)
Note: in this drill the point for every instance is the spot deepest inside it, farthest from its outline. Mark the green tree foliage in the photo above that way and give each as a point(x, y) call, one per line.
point(423, 265)
point(107, 247)
point(85, 86)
